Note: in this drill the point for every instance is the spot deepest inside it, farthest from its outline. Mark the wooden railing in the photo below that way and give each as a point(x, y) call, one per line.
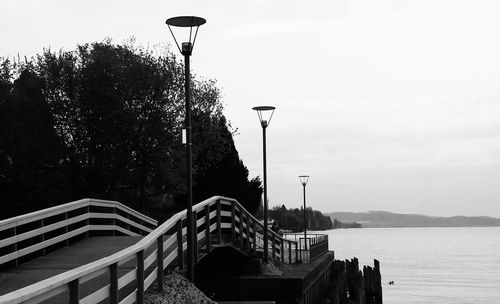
point(310, 248)
point(27, 236)
point(215, 219)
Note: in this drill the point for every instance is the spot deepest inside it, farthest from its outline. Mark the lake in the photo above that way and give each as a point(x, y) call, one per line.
point(428, 265)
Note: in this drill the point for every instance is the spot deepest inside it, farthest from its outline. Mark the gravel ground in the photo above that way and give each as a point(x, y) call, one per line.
point(176, 289)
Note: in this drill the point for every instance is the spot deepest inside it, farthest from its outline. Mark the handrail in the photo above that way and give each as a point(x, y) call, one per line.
point(312, 247)
point(36, 215)
point(36, 231)
point(169, 239)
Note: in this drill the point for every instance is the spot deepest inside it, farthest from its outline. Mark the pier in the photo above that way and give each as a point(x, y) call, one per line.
point(93, 251)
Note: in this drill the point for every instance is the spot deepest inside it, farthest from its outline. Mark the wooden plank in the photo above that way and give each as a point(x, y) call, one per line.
point(98, 296)
point(170, 258)
point(150, 278)
point(151, 258)
point(127, 278)
point(41, 230)
point(130, 299)
point(45, 296)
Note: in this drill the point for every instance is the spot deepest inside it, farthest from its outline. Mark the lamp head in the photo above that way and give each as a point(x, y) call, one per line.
point(265, 114)
point(185, 22)
point(304, 179)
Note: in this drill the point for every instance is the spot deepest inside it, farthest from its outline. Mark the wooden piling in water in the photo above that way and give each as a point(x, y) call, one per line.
point(349, 285)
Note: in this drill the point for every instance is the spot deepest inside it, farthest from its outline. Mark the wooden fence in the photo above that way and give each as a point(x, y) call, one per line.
point(162, 248)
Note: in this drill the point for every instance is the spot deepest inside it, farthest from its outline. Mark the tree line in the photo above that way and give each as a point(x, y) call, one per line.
point(104, 121)
point(293, 219)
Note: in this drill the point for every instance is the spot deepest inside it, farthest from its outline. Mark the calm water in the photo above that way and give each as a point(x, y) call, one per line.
point(428, 265)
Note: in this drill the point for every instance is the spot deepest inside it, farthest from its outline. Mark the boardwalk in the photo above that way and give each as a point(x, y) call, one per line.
point(118, 269)
point(59, 261)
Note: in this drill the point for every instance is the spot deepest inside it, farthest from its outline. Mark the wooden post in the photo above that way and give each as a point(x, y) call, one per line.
point(282, 250)
point(219, 224)
point(159, 257)
point(140, 277)
point(87, 222)
point(113, 283)
point(296, 252)
point(248, 232)
point(207, 228)
point(289, 252)
point(273, 246)
point(233, 231)
point(254, 226)
point(43, 237)
point(180, 251)
point(195, 237)
point(66, 241)
point(241, 221)
point(114, 221)
point(74, 292)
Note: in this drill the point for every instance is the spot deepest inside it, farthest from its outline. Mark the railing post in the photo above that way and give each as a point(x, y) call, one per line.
point(114, 221)
point(74, 292)
point(195, 237)
point(159, 263)
point(14, 231)
point(180, 251)
point(282, 250)
point(248, 232)
point(273, 247)
point(87, 222)
point(140, 277)
point(254, 225)
point(233, 230)
point(42, 236)
point(241, 226)
point(207, 228)
point(66, 241)
point(113, 283)
point(289, 252)
point(219, 223)
point(296, 252)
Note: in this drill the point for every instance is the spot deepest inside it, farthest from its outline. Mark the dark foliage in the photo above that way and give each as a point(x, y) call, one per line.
point(105, 121)
point(338, 224)
point(293, 219)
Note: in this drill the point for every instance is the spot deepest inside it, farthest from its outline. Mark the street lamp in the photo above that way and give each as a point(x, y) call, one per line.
point(265, 114)
point(303, 181)
point(186, 50)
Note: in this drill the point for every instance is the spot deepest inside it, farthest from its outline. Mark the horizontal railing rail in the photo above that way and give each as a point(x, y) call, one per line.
point(311, 247)
point(33, 234)
point(163, 248)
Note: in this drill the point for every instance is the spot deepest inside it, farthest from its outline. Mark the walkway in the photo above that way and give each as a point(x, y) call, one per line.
point(64, 259)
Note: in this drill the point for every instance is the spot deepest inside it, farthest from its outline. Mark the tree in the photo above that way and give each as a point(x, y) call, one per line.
point(104, 121)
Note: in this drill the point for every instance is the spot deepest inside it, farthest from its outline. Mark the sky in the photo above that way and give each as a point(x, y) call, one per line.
point(387, 104)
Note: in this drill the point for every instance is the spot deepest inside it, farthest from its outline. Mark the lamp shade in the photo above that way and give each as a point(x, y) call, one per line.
point(265, 114)
point(304, 179)
point(185, 23)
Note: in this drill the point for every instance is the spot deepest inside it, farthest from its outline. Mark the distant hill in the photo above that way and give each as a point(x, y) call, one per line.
point(380, 219)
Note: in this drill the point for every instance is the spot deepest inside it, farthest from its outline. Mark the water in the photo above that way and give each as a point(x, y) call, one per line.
point(428, 265)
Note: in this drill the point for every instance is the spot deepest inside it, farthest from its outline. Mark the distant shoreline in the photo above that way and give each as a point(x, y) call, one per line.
point(384, 219)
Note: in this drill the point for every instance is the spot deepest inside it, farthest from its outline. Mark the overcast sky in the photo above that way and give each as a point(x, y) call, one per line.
point(388, 105)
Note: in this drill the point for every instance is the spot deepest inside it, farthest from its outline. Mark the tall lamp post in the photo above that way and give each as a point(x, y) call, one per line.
point(186, 50)
point(265, 114)
point(303, 181)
